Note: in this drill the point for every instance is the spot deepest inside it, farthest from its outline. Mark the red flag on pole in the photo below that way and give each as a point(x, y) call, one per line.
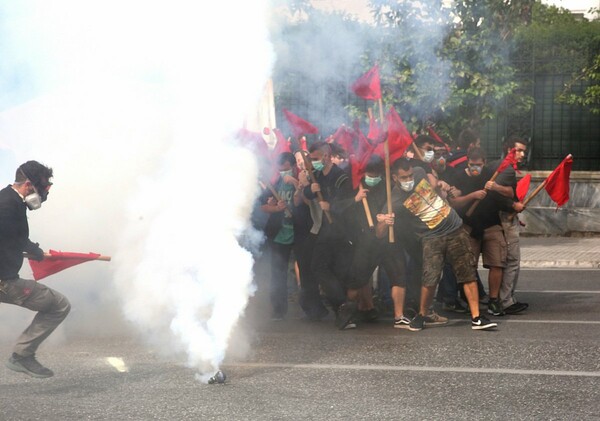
point(368, 86)
point(58, 261)
point(345, 138)
point(298, 125)
point(375, 133)
point(282, 145)
point(435, 136)
point(359, 161)
point(557, 183)
point(523, 187)
point(510, 159)
point(399, 138)
point(303, 145)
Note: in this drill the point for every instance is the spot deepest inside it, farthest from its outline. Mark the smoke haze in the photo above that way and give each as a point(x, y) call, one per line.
point(134, 104)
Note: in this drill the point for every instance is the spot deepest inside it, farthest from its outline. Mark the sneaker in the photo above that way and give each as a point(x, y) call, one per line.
point(345, 314)
point(402, 323)
point(516, 308)
point(456, 307)
point(481, 323)
point(350, 325)
point(434, 319)
point(494, 308)
point(417, 323)
point(370, 315)
point(28, 365)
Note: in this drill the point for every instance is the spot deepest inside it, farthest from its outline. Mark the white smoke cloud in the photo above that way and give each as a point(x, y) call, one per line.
point(133, 104)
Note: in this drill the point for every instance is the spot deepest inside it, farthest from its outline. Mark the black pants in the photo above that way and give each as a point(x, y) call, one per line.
point(310, 297)
point(280, 258)
point(331, 262)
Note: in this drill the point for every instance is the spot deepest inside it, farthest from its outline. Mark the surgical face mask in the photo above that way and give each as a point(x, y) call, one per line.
point(372, 181)
point(475, 170)
point(284, 173)
point(407, 185)
point(33, 200)
point(318, 165)
point(428, 156)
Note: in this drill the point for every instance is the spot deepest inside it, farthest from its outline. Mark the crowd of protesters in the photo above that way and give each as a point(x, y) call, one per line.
point(358, 254)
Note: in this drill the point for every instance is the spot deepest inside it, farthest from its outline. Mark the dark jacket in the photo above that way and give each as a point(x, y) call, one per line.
point(14, 233)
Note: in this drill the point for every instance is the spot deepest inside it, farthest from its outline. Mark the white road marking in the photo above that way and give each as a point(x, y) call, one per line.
point(477, 370)
point(118, 364)
point(556, 291)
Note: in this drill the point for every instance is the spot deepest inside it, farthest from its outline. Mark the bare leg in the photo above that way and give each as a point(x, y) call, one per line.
point(365, 298)
point(472, 297)
point(426, 299)
point(398, 294)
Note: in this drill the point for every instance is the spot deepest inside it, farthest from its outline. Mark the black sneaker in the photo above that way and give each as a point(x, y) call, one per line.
point(494, 308)
point(417, 323)
point(516, 308)
point(28, 365)
point(345, 314)
point(481, 323)
point(369, 316)
point(456, 307)
point(402, 323)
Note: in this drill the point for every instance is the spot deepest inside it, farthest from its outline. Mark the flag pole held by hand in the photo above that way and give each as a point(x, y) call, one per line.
point(277, 197)
point(311, 173)
point(388, 174)
point(367, 210)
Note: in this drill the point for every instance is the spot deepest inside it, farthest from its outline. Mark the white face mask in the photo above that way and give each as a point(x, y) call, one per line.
point(407, 185)
point(33, 201)
point(428, 156)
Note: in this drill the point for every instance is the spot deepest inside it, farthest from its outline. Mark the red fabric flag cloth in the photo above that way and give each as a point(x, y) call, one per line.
point(303, 145)
point(434, 135)
point(523, 187)
point(358, 162)
point(557, 183)
point(58, 261)
point(298, 125)
point(282, 145)
point(344, 137)
point(398, 136)
point(253, 141)
point(368, 86)
point(510, 159)
point(375, 132)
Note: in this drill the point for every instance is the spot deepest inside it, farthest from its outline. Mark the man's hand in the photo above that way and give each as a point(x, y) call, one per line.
point(271, 201)
point(362, 194)
point(386, 218)
point(281, 206)
point(478, 195)
point(36, 253)
point(315, 188)
point(324, 205)
point(490, 185)
point(303, 178)
point(518, 207)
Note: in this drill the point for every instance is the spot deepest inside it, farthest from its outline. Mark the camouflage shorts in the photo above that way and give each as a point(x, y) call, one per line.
point(453, 248)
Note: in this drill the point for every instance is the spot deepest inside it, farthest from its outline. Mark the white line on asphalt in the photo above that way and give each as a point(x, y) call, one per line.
point(476, 370)
point(556, 291)
point(573, 322)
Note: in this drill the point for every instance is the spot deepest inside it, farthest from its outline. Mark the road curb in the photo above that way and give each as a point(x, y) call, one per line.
point(562, 264)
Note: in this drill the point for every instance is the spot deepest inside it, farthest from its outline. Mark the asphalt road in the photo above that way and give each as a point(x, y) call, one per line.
point(543, 364)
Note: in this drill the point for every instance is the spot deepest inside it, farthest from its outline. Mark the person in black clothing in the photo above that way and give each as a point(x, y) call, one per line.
point(30, 189)
point(467, 139)
point(484, 226)
point(371, 251)
point(332, 253)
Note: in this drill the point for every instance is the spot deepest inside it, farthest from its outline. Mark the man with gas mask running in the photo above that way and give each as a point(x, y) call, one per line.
point(30, 189)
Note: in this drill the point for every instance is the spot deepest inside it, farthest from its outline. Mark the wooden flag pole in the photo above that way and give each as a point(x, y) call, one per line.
point(49, 255)
point(311, 173)
point(277, 197)
point(476, 202)
point(367, 209)
point(388, 175)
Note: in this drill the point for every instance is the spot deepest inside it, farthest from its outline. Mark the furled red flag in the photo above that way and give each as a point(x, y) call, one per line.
point(557, 183)
point(375, 133)
point(282, 145)
point(399, 138)
point(368, 86)
point(523, 187)
point(298, 125)
point(345, 138)
point(303, 145)
point(510, 159)
point(58, 261)
point(253, 141)
point(358, 162)
point(434, 135)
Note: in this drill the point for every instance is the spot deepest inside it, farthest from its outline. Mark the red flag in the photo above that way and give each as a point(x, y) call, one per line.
point(345, 138)
point(375, 133)
point(253, 141)
point(557, 183)
point(510, 159)
point(434, 135)
point(298, 125)
point(399, 138)
point(303, 145)
point(282, 145)
point(58, 261)
point(359, 161)
point(368, 86)
point(523, 187)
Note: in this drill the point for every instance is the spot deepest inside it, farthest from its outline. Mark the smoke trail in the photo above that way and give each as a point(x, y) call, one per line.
point(134, 105)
